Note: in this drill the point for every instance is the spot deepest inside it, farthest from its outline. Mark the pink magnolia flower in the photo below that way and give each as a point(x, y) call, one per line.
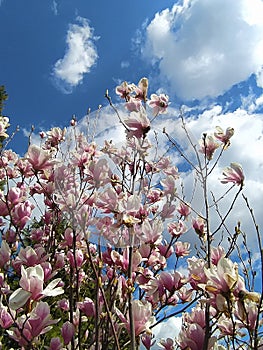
point(183, 209)
point(185, 294)
point(247, 312)
point(31, 282)
point(39, 321)
point(147, 341)
point(98, 173)
point(224, 137)
point(192, 334)
point(142, 89)
point(233, 173)
point(15, 195)
point(192, 337)
point(142, 314)
point(76, 259)
point(3, 206)
point(55, 136)
point(199, 225)
point(208, 146)
point(63, 304)
point(176, 229)
point(30, 257)
point(167, 344)
point(159, 103)
point(168, 184)
point(165, 249)
point(181, 248)
point(4, 124)
point(21, 213)
point(87, 307)
point(152, 231)
point(6, 319)
point(133, 104)
point(171, 281)
point(5, 253)
point(67, 331)
point(216, 254)
point(226, 326)
point(39, 159)
point(196, 272)
point(223, 277)
point(167, 211)
point(55, 344)
point(137, 123)
point(124, 90)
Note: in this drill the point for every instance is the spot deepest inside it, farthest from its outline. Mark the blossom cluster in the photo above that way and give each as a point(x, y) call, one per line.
point(93, 256)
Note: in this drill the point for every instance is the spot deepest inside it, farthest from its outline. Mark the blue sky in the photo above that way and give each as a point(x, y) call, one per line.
point(58, 57)
point(34, 40)
point(130, 39)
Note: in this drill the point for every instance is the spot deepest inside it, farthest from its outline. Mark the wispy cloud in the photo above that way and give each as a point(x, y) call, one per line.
point(81, 55)
point(125, 64)
point(202, 48)
point(54, 7)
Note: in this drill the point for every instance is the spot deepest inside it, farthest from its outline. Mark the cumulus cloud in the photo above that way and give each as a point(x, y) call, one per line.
point(81, 55)
point(204, 47)
point(246, 148)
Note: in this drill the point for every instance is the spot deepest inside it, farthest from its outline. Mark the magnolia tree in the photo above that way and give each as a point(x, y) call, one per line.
point(93, 251)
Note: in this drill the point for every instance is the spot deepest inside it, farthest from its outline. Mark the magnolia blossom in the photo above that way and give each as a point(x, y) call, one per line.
point(31, 282)
point(208, 146)
point(6, 319)
point(67, 331)
point(176, 229)
point(184, 209)
point(224, 137)
point(181, 248)
point(199, 225)
point(4, 124)
point(39, 158)
point(167, 344)
point(138, 124)
point(233, 173)
point(159, 103)
point(247, 312)
point(55, 136)
point(142, 314)
point(223, 277)
point(192, 337)
point(39, 321)
point(21, 213)
point(87, 307)
point(5, 253)
point(192, 334)
point(133, 104)
point(124, 90)
point(143, 89)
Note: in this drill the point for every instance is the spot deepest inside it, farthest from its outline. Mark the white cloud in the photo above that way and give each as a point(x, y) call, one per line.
point(168, 329)
point(81, 55)
point(204, 47)
point(54, 7)
point(125, 64)
point(246, 148)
